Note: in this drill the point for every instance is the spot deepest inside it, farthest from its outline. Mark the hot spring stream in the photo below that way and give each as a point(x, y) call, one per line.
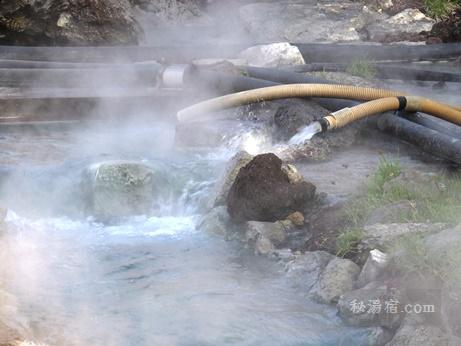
point(147, 280)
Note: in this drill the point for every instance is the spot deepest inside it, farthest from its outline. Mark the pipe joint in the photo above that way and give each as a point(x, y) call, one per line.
point(414, 103)
point(173, 76)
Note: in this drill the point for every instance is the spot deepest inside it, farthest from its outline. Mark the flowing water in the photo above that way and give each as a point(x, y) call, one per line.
point(306, 133)
point(147, 280)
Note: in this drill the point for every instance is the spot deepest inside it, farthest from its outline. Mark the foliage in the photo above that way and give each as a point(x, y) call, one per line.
point(441, 205)
point(361, 68)
point(440, 8)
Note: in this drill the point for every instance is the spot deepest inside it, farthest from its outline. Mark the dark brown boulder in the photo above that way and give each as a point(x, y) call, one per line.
point(263, 192)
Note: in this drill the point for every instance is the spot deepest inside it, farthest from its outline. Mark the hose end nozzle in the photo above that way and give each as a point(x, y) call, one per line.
point(328, 122)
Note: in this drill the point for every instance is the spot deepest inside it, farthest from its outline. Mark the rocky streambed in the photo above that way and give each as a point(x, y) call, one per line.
point(178, 243)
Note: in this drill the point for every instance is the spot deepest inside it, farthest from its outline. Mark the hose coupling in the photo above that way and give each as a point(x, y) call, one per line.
point(173, 76)
point(325, 123)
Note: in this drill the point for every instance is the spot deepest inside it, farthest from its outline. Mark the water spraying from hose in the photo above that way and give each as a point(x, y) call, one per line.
point(306, 133)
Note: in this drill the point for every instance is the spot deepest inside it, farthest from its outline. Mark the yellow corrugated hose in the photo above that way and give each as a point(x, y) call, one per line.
point(412, 104)
point(202, 110)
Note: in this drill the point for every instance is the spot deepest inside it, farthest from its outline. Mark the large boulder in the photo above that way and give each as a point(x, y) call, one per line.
point(262, 191)
point(273, 55)
point(118, 189)
point(72, 22)
point(338, 278)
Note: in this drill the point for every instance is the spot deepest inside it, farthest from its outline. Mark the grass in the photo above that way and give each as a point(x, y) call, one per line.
point(440, 8)
point(361, 68)
point(436, 201)
point(347, 242)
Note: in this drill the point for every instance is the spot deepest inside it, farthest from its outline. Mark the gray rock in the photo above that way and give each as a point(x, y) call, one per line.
point(382, 236)
point(265, 236)
point(272, 55)
point(409, 21)
point(338, 277)
point(295, 21)
point(376, 264)
point(304, 270)
point(118, 189)
point(444, 242)
point(419, 335)
point(216, 221)
point(241, 159)
point(393, 212)
point(372, 305)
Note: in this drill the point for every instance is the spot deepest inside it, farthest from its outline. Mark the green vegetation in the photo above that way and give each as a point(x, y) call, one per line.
point(347, 242)
point(435, 199)
point(440, 8)
point(362, 68)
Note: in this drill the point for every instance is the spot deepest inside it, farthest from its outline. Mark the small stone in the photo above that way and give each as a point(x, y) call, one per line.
point(338, 277)
point(297, 218)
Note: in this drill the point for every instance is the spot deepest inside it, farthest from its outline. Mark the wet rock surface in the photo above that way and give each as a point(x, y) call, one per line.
point(263, 192)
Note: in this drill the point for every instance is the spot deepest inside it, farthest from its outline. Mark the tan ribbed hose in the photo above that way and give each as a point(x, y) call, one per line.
point(200, 111)
point(413, 104)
